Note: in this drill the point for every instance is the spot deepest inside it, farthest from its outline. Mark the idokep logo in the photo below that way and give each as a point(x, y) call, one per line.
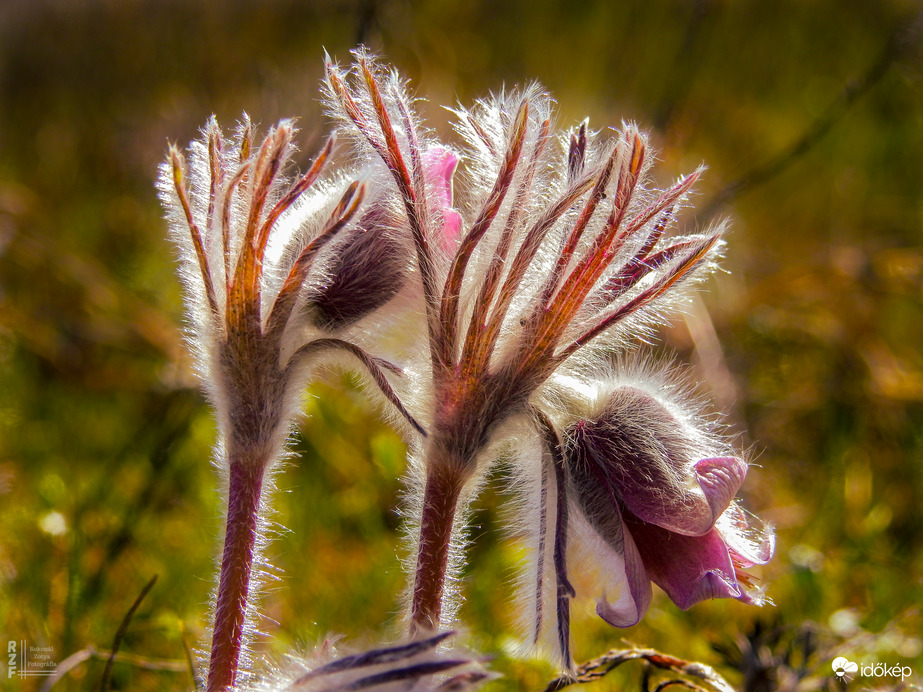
point(844, 669)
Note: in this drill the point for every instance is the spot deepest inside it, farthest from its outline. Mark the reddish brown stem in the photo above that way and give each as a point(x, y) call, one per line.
point(233, 587)
point(440, 500)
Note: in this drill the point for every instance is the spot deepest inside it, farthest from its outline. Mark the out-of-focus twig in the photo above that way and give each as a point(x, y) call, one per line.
point(92, 653)
point(168, 421)
point(709, 353)
point(609, 661)
point(368, 22)
point(682, 73)
point(197, 680)
point(120, 633)
point(898, 44)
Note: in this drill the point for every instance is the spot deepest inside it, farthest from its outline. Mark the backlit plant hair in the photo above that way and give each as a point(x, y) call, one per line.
point(563, 257)
point(263, 305)
point(528, 300)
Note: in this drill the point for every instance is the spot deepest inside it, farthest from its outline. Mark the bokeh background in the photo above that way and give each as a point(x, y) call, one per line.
point(810, 117)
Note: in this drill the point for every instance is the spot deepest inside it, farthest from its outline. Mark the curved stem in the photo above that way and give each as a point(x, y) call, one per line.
point(236, 563)
point(375, 367)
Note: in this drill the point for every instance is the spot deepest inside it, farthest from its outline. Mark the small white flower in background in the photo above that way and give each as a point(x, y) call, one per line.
point(53, 523)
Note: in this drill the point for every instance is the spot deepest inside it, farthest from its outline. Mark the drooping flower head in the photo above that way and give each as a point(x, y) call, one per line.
point(652, 485)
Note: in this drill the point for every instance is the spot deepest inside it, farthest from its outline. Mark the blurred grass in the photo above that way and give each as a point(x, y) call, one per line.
point(105, 442)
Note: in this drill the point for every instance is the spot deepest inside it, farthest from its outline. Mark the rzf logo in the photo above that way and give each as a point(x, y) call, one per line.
point(12, 654)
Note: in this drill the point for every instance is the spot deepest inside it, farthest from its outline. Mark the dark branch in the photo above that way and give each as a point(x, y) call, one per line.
point(897, 46)
point(120, 634)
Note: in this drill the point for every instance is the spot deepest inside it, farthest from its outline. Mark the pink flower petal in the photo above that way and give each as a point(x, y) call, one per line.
point(607, 557)
point(689, 509)
point(689, 568)
point(720, 479)
point(607, 548)
point(439, 164)
point(631, 607)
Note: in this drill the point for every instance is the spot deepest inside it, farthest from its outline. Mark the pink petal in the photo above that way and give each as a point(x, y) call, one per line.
point(606, 550)
point(439, 166)
point(631, 607)
point(720, 479)
point(689, 568)
point(690, 509)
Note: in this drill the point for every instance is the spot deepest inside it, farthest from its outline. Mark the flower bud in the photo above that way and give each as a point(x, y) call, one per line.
point(367, 270)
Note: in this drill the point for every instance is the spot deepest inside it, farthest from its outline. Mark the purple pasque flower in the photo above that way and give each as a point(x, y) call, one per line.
point(652, 486)
point(276, 272)
point(563, 256)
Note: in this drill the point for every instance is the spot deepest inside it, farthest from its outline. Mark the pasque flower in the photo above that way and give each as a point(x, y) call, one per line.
point(277, 274)
point(562, 257)
point(555, 255)
point(652, 486)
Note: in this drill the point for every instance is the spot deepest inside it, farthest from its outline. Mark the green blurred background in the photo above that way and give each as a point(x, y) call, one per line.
point(810, 117)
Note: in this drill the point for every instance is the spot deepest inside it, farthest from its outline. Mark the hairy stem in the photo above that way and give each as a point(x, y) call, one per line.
point(440, 500)
point(233, 587)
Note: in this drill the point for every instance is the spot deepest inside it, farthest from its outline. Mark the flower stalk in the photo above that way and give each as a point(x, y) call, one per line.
point(256, 336)
point(437, 522)
point(245, 487)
